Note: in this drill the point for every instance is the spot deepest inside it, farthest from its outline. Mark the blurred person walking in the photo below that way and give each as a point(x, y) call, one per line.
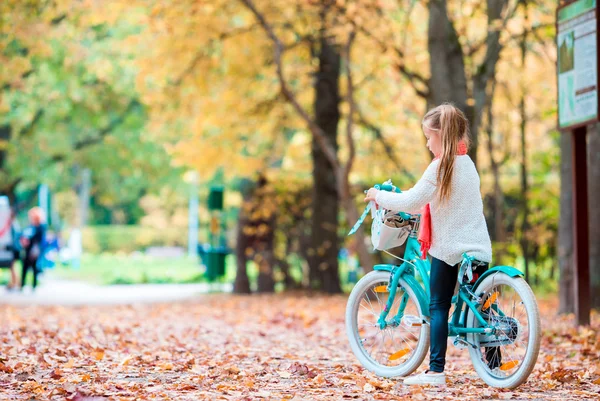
point(32, 240)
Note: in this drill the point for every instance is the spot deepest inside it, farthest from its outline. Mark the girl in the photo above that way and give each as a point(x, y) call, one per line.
point(447, 194)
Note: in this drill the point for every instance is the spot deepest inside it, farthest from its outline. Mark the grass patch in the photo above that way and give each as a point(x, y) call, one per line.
point(137, 269)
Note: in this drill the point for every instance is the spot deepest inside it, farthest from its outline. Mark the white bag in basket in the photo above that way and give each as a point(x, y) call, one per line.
point(385, 237)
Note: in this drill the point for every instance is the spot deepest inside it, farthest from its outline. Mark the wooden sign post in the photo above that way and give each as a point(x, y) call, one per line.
point(577, 41)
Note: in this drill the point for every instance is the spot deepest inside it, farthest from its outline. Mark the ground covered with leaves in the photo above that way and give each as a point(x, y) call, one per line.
point(247, 348)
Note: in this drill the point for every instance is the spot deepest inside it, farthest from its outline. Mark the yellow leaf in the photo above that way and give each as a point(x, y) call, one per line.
point(126, 361)
point(98, 355)
point(233, 369)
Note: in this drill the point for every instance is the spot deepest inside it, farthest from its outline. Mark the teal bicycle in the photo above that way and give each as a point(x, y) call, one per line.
point(496, 316)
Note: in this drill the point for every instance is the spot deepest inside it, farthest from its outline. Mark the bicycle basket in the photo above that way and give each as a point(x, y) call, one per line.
point(389, 230)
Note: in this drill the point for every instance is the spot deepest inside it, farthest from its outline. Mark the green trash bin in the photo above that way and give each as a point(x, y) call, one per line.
point(215, 198)
point(213, 254)
point(215, 262)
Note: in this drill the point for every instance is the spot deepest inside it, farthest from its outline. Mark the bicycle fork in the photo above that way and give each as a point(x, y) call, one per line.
point(393, 289)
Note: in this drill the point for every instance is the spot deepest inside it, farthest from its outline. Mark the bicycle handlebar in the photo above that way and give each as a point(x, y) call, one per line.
point(386, 186)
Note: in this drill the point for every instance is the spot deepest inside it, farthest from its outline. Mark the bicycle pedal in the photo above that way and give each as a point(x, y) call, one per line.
point(460, 343)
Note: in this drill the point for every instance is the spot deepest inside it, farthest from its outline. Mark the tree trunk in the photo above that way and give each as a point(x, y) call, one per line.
point(524, 181)
point(284, 266)
point(498, 234)
point(241, 285)
point(325, 242)
point(5, 133)
point(565, 229)
point(594, 212)
point(266, 261)
point(6, 187)
point(264, 237)
point(448, 82)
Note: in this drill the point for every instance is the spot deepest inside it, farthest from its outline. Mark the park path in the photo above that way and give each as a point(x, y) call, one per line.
point(262, 347)
point(56, 291)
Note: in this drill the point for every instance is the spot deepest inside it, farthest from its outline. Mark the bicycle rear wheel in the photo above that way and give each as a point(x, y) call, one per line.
point(505, 358)
point(396, 350)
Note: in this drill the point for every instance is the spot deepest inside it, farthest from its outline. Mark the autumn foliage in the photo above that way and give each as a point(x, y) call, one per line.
point(240, 348)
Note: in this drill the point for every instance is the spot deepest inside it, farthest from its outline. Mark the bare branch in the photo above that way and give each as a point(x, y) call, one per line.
point(351, 107)
point(29, 127)
point(84, 143)
point(411, 7)
point(386, 146)
point(301, 40)
point(367, 77)
point(493, 46)
point(326, 147)
point(204, 52)
point(413, 77)
point(549, 56)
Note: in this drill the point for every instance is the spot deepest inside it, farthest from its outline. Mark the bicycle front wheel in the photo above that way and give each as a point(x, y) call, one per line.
point(398, 349)
point(506, 357)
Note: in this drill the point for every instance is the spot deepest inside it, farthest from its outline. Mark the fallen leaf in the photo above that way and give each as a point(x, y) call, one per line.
point(56, 374)
point(284, 374)
point(319, 379)
point(126, 360)
point(233, 370)
point(98, 354)
point(4, 368)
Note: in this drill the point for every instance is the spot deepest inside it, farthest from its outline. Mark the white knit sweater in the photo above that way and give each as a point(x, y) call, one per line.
point(457, 225)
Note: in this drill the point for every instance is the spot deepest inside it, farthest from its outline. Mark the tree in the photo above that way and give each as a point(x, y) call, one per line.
point(70, 100)
point(236, 82)
point(450, 80)
point(565, 230)
point(341, 171)
point(498, 234)
point(594, 211)
point(524, 177)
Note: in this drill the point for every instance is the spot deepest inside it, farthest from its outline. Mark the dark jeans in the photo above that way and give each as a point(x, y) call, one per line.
point(29, 263)
point(443, 280)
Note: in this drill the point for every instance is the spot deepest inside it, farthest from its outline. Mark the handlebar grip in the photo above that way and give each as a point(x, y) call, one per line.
point(391, 188)
point(388, 187)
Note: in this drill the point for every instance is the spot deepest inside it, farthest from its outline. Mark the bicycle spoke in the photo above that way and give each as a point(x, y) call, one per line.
point(514, 332)
point(394, 345)
point(369, 311)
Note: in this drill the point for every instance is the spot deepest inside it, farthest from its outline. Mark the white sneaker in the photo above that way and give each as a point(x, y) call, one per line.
point(434, 379)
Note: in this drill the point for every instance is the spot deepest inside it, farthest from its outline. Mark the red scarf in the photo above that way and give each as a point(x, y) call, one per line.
point(425, 230)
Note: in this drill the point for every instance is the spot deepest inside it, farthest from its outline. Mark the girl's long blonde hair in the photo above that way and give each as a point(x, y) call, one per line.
point(453, 127)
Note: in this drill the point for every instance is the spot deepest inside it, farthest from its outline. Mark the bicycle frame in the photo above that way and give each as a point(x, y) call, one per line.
point(463, 300)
